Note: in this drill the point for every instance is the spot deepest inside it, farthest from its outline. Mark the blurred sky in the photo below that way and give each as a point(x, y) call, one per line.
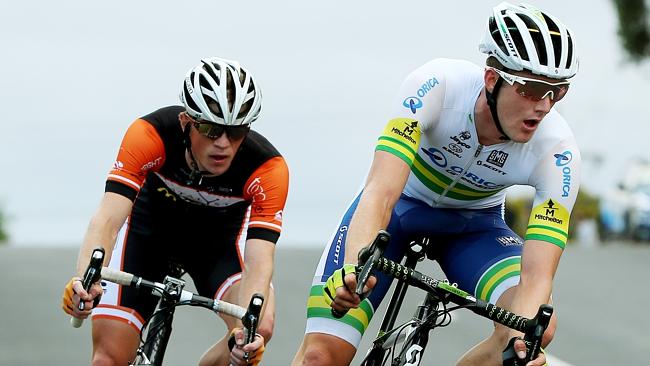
point(75, 74)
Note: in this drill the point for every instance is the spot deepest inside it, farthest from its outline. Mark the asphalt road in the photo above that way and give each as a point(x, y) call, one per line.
point(601, 296)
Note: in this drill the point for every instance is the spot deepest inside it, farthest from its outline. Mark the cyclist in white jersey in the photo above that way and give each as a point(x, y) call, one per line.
point(458, 136)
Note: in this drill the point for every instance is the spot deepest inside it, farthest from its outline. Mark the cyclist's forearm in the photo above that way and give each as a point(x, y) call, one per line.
point(372, 214)
point(538, 267)
point(257, 271)
point(255, 281)
point(531, 294)
point(98, 233)
point(103, 228)
point(386, 180)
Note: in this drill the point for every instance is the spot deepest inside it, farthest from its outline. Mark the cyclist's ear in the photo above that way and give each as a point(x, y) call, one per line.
point(490, 79)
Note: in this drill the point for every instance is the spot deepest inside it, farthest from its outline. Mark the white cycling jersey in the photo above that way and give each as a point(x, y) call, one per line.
point(432, 128)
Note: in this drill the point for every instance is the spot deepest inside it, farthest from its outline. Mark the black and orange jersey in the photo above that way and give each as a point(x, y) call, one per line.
point(152, 171)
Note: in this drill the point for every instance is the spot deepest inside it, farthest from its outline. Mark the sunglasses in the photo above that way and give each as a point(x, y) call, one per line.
point(535, 89)
point(213, 130)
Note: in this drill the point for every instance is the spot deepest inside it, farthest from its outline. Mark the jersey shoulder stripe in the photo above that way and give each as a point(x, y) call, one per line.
point(401, 137)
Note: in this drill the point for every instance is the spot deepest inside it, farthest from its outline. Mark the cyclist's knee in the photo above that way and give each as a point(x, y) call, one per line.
point(317, 355)
point(549, 334)
point(324, 350)
point(266, 328)
point(103, 358)
point(114, 342)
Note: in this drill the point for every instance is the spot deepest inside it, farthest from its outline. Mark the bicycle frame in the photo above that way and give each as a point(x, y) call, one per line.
point(151, 352)
point(388, 334)
point(428, 315)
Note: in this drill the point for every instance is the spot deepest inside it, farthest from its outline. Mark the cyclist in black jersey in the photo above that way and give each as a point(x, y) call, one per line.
point(193, 186)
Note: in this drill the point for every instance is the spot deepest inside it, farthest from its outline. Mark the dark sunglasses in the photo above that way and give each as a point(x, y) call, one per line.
point(213, 130)
point(535, 89)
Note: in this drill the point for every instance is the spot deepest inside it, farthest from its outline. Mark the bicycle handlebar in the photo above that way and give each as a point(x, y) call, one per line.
point(368, 258)
point(159, 289)
point(533, 329)
point(368, 255)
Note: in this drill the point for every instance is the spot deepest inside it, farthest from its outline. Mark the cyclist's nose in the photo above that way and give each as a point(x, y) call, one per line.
point(544, 105)
point(221, 141)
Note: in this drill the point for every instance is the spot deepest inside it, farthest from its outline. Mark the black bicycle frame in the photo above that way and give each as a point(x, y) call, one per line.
point(414, 254)
point(160, 324)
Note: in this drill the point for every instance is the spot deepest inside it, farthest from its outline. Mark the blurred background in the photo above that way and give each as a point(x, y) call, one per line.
point(75, 74)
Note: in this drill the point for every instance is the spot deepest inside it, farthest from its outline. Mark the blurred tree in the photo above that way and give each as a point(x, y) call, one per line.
point(587, 207)
point(633, 28)
point(517, 214)
point(3, 234)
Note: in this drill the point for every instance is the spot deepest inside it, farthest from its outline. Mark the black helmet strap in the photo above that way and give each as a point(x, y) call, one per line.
point(196, 172)
point(492, 102)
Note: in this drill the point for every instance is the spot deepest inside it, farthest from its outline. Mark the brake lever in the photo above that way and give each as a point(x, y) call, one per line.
point(369, 257)
point(251, 319)
point(532, 337)
point(92, 275)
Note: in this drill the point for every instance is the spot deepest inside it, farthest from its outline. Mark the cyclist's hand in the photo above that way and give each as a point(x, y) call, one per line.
point(520, 349)
point(339, 288)
point(237, 347)
point(74, 293)
point(517, 344)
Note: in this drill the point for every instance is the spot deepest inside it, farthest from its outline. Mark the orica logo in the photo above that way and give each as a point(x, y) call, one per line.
point(436, 156)
point(563, 159)
point(412, 103)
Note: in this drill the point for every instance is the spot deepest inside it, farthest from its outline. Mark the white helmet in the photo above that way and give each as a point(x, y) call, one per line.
point(525, 38)
point(221, 91)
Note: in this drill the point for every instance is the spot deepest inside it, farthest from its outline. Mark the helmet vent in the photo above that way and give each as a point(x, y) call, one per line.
point(187, 97)
point(496, 35)
point(242, 76)
point(516, 39)
point(246, 107)
point(556, 38)
point(214, 107)
point(231, 90)
point(538, 39)
point(204, 83)
point(211, 72)
point(569, 50)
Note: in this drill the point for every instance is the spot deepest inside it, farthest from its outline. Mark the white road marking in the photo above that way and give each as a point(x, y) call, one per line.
point(554, 361)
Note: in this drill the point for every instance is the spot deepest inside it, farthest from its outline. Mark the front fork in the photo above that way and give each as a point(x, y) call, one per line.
point(415, 253)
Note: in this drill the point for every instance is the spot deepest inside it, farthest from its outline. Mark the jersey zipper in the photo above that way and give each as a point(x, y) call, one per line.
point(438, 200)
